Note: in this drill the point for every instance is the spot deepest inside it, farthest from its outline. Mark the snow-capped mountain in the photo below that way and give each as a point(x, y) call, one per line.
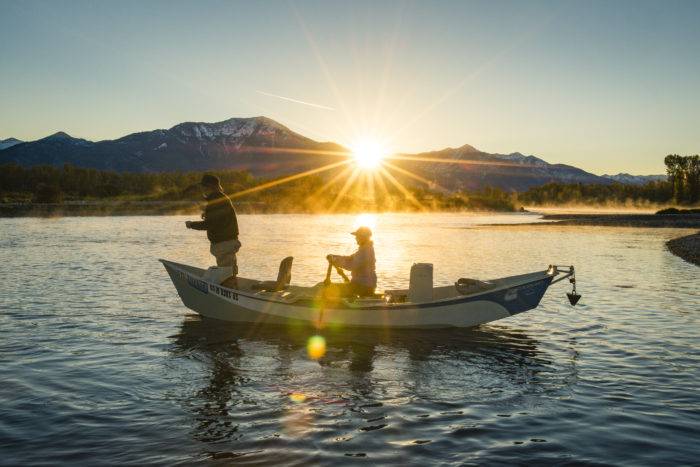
point(628, 179)
point(6, 143)
point(258, 144)
point(521, 159)
point(472, 169)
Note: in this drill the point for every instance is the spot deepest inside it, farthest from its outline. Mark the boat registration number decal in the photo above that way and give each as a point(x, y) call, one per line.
point(198, 284)
point(206, 287)
point(223, 292)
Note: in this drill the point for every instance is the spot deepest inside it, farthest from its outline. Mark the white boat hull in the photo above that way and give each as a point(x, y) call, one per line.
point(510, 296)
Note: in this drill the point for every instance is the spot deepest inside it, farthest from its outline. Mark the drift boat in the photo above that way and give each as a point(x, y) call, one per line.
point(467, 303)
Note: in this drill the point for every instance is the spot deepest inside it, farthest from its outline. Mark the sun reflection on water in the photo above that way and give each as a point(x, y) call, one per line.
point(297, 397)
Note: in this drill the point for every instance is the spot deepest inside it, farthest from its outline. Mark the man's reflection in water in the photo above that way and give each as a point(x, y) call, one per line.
point(218, 348)
point(462, 361)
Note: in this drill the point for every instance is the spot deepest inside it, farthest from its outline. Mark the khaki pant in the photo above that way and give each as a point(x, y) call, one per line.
point(352, 289)
point(225, 254)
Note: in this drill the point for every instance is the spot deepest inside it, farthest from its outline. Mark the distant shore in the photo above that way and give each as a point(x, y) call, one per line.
point(673, 221)
point(164, 208)
point(186, 207)
point(625, 220)
point(98, 208)
point(687, 247)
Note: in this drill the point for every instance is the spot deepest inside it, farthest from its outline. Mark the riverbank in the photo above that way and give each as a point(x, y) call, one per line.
point(687, 247)
point(691, 220)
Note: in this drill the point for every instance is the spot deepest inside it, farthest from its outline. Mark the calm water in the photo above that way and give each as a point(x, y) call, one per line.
point(101, 363)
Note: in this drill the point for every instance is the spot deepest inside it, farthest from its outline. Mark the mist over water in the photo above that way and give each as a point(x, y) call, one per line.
point(101, 363)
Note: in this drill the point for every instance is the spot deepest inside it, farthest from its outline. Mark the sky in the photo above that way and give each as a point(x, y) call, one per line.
point(607, 86)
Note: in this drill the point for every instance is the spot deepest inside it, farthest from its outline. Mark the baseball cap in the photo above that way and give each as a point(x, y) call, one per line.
point(362, 232)
point(210, 180)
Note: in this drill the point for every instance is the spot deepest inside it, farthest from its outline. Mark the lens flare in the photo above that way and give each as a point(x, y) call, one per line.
point(316, 347)
point(297, 397)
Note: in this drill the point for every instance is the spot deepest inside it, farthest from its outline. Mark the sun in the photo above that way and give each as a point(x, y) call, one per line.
point(368, 153)
point(365, 220)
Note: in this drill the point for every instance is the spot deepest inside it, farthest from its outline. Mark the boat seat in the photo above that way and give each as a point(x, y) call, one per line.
point(396, 295)
point(284, 277)
point(364, 298)
point(357, 302)
point(467, 286)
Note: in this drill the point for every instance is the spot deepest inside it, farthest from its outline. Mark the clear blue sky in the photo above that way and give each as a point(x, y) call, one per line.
point(608, 86)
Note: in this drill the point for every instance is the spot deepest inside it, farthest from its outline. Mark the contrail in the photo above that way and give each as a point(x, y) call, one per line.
point(318, 106)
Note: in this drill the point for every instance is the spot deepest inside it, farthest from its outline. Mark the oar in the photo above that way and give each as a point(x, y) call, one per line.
point(327, 280)
point(341, 273)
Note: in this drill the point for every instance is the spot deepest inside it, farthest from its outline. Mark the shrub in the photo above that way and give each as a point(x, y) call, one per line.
point(51, 194)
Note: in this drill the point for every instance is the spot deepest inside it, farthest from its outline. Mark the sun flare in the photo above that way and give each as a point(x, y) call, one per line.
point(368, 153)
point(365, 220)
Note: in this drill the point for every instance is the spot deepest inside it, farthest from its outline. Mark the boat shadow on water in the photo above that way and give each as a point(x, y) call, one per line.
point(501, 345)
point(248, 377)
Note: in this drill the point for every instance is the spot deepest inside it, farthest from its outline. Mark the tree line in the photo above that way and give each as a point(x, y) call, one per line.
point(684, 176)
point(659, 192)
point(50, 184)
point(681, 187)
point(55, 185)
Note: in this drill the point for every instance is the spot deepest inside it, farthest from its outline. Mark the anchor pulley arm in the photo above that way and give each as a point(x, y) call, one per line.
point(567, 271)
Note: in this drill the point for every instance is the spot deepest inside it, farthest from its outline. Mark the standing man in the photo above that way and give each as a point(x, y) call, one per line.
point(219, 220)
point(361, 264)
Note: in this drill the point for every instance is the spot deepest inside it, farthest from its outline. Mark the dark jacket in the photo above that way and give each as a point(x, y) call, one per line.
point(219, 219)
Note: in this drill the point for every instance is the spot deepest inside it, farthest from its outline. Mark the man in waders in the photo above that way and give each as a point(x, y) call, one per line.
point(219, 220)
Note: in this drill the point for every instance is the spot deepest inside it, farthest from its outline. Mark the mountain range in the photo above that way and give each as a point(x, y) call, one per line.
point(471, 169)
point(259, 144)
point(6, 143)
point(267, 148)
point(628, 179)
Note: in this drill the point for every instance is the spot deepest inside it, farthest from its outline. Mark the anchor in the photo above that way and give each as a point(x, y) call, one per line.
point(573, 296)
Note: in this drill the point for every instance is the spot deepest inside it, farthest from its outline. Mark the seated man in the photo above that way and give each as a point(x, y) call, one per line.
point(361, 264)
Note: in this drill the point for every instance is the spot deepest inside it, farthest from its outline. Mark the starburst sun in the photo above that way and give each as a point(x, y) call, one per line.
point(368, 153)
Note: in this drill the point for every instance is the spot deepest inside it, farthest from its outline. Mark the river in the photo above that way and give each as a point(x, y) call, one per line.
point(101, 363)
